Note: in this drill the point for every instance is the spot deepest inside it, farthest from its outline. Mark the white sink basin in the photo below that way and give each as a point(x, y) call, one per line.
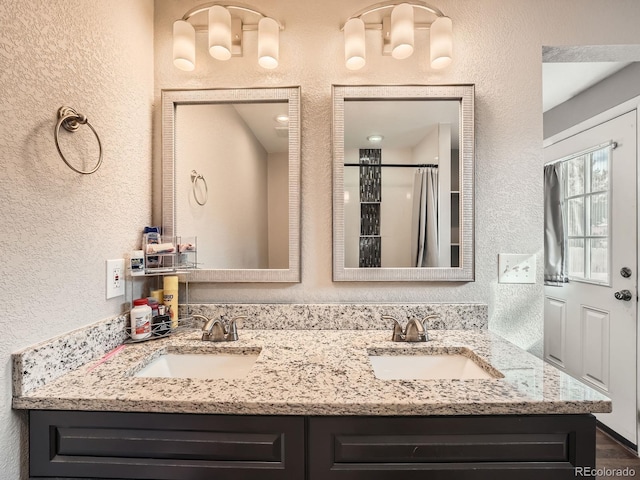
point(199, 365)
point(427, 367)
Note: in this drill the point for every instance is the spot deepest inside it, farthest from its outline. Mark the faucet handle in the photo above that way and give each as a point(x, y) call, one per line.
point(398, 333)
point(232, 329)
point(428, 317)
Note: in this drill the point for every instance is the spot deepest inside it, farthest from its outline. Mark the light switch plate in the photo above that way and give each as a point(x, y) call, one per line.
point(516, 268)
point(115, 278)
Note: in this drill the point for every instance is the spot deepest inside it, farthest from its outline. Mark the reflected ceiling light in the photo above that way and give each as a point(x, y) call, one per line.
point(398, 26)
point(282, 118)
point(225, 25)
point(375, 138)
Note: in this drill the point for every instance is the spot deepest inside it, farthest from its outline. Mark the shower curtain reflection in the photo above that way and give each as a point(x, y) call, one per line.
point(425, 248)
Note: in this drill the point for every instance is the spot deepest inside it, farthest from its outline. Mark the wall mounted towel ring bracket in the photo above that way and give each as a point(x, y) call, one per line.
point(71, 120)
point(195, 176)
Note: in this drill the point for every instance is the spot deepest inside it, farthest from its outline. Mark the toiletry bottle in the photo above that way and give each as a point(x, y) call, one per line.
point(158, 295)
point(171, 298)
point(140, 319)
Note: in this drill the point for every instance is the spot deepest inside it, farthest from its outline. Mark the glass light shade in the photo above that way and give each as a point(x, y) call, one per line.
point(184, 45)
point(219, 33)
point(441, 39)
point(402, 35)
point(354, 44)
point(268, 43)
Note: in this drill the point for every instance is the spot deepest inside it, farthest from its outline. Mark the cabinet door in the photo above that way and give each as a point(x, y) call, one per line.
point(447, 448)
point(165, 446)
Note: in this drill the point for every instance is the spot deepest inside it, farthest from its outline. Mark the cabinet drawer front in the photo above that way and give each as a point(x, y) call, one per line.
point(471, 447)
point(165, 446)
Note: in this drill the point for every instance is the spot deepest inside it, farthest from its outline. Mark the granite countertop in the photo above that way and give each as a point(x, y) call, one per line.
point(319, 372)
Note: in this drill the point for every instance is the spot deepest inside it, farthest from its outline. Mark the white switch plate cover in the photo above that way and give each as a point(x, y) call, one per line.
point(516, 268)
point(115, 278)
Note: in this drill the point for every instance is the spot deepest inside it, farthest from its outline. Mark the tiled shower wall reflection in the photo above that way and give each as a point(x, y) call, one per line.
point(370, 160)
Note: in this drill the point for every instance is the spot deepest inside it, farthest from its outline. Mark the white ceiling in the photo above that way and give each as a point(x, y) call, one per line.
point(261, 119)
point(402, 123)
point(562, 81)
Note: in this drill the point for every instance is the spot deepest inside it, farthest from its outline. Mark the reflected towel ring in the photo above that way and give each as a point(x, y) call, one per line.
point(71, 121)
point(195, 176)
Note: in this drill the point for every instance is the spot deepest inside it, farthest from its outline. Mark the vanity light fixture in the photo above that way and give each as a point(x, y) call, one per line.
point(225, 25)
point(397, 23)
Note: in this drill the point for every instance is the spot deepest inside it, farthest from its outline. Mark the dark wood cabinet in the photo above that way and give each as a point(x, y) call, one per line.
point(158, 446)
point(469, 447)
point(124, 445)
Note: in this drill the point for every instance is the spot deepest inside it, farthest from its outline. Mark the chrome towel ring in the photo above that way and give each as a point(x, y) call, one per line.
point(195, 176)
point(71, 121)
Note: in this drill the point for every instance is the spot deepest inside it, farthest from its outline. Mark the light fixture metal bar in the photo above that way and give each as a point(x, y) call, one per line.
point(245, 27)
point(243, 8)
point(384, 5)
point(379, 26)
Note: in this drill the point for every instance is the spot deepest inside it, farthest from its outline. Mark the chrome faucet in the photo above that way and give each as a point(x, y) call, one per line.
point(413, 332)
point(214, 330)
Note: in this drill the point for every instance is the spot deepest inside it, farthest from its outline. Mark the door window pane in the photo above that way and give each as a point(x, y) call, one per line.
point(599, 217)
point(600, 170)
point(599, 264)
point(576, 257)
point(575, 217)
point(575, 176)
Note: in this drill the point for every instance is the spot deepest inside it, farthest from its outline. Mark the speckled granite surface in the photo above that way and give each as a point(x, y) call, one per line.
point(37, 365)
point(320, 372)
point(347, 316)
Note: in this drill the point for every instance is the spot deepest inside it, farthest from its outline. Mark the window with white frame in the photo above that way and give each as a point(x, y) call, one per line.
point(587, 213)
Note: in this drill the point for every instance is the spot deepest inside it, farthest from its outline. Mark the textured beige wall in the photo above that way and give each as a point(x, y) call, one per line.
point(59, 227)
point(498, 48)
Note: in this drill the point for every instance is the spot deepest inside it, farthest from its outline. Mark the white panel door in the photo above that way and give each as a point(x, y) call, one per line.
point(596, 342)
point(555, 314)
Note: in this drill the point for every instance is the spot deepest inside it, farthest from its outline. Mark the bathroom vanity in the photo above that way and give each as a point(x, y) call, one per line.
point(309, 407)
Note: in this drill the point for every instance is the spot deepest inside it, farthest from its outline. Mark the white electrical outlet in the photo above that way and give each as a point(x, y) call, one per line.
point(115, 278)
point(516, 268)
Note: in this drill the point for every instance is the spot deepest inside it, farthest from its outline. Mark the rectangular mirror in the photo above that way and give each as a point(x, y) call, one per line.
point(231, 178)
point(403, 161)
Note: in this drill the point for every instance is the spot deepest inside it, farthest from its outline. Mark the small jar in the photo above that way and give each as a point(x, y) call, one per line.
point(153, 303)
point(140, 319)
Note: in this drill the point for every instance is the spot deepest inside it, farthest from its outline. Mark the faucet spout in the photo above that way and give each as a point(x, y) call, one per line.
point(415, 331)
point(213, 331)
